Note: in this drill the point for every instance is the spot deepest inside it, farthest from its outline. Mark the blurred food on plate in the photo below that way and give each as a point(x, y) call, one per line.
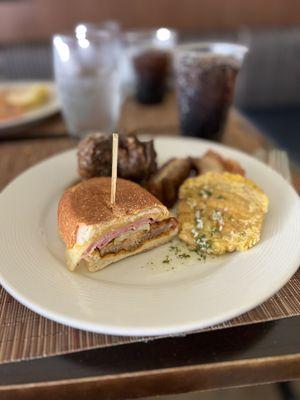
point(17, 100)
point(213, 161)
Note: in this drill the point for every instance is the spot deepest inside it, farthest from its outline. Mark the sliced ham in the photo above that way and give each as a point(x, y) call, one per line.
point(112, 235)
point(136, 239)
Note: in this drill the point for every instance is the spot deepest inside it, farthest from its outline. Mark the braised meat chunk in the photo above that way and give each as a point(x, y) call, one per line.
point(136, 159)
point(166, 182)
point(94, 155)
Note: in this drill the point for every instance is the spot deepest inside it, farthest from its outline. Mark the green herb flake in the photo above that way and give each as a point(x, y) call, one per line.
point(220, 197)
point(202, 257)
point(205, 193)
point(166, 260)
point(184, 255)
point(175, 249)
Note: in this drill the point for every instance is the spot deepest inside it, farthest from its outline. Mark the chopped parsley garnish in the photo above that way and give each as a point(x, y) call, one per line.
point(184, 255)
point(202, 242)
point(166, 260)
point(220, 197)
point(175, 249)
point(205, 193)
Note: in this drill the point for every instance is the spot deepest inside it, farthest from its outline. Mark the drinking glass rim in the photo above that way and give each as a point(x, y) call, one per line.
point(134, 34)
point(100, 25)
point(222, 48)
point(71, 37)
point(110, 26)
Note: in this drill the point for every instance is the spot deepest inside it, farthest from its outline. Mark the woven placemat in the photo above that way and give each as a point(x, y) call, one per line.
point(25, 335)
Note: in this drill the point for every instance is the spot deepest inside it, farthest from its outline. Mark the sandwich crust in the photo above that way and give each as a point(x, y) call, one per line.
point(88, 204)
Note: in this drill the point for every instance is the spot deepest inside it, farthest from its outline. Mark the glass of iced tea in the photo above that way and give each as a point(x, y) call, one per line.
point(205, 76)
point(150, 58)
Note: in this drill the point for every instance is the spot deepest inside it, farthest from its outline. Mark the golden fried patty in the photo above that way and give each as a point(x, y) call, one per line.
point(221, 212)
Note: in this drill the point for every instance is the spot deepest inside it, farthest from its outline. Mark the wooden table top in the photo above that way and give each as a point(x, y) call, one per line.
point(252, 354)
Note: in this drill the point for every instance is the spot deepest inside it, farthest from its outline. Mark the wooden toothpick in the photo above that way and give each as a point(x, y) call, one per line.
point(114, 168)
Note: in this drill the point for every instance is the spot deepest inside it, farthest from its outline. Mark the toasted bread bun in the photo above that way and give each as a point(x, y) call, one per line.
point(85, 214)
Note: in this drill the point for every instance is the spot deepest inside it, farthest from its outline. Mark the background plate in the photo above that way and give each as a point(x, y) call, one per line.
point(31, 116)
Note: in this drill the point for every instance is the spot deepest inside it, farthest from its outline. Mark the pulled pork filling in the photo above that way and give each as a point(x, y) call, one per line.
point(131, 240)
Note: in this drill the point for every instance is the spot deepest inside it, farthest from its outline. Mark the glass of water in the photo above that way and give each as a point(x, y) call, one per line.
point(88, 81)
point(113, 27)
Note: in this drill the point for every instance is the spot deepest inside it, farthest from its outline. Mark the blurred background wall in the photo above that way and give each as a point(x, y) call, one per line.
point(268, 87)
point(37, 19)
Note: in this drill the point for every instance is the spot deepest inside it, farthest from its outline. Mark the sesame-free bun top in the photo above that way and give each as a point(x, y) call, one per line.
point(88, 204)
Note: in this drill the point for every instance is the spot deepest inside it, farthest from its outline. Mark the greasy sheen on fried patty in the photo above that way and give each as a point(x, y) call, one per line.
point(133, 240)
point(221, 212)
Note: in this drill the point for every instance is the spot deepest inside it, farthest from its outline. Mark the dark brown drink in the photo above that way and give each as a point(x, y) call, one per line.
point(151, 71)
point(205, 85)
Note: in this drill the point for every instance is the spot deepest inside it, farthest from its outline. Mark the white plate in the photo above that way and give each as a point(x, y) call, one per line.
point(36, 114)
point(141, 295)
